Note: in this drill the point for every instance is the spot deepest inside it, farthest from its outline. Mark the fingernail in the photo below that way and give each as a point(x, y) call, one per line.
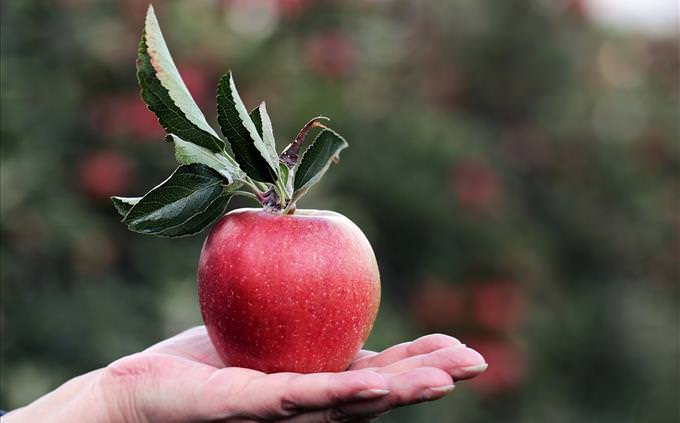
point(468, 372)
point(436, 392)
point(371, 393)
point(479, 368)
point(442, 389)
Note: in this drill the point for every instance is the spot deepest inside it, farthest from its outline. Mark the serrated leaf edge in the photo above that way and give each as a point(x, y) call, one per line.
point(163, 235)
point(230, 171)
point(313, 180)
point(153, 45)
point(130, 223)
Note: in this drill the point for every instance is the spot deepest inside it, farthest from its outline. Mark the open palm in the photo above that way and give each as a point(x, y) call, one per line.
point(182, 379)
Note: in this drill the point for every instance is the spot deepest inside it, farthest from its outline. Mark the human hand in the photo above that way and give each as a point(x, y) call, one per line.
point(182, 379)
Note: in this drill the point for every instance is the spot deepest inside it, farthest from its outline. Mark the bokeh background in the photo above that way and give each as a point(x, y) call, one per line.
point(511, 161)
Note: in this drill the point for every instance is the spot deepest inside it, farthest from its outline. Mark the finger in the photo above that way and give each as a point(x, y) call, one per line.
point(410, 387)
point(458, 361)
point(325, 417)
point(364, 354)
point(281, 395)
point(413, 386)
point(393, 354)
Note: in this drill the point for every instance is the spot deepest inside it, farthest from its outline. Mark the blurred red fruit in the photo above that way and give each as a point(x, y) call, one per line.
point(437, 305)
point(331, 54)
point(126, 115)
point(442, 83)
point(197, 80)
point(506, 366)
point(498, 305)
point(476, 186)
point(293, 8)
point(134, 10)
point(577, 8)
point(655, 149)
point(105, 173)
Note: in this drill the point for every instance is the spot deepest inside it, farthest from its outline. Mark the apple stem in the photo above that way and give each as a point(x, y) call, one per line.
point(278, 197)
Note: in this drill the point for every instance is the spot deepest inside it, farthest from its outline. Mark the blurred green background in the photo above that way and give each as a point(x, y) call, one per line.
point(512, 163)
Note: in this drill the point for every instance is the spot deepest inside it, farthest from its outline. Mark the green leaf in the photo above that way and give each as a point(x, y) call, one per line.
point(175, 203)
point(201, 220)
point(268, 132)
point(124, 204)
point(257, 119)
point(166, 94)
point(250, 151)
point(263, 124)
point(290, 154)
point(284, 171)
point(317, 158)
point(188, 153)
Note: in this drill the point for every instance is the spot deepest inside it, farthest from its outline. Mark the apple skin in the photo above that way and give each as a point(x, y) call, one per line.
point(288, 293)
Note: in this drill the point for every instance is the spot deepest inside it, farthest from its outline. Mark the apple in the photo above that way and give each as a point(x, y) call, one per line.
point(103, 173)
point(507, 366)
point(125, 115)
point(476, 186)
point(499, 305)
point(288, 292)
point(280, 289)
point(438, 305)
point(293, 8)
point(331, 54)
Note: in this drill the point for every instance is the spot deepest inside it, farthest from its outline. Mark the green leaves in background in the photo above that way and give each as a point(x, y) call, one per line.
point(185, 203)
point(188, 153)
point(315, 161)
point(257, 158)
point(166, 94)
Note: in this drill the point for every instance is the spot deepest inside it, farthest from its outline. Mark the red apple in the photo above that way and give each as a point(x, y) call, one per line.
point(507, 366)
point(438, 305)
point(331, 54)
point(476, 186)
point(126, 115)
point(293, 292)
point(104, 173)
point(499, 305)
point(293, 8)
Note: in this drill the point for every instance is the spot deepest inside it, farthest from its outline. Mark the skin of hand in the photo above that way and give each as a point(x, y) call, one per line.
point(182, 379)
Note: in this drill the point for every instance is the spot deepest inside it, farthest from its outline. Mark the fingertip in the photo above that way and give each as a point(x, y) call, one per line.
point(437, 392)
point(436, 341)
point(424, 377)
point(470, 371)
point(459, 361)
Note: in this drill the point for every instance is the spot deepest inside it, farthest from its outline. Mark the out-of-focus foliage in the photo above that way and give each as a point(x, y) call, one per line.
point(511, 163)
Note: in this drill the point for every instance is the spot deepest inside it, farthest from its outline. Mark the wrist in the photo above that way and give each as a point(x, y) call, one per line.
point(82, 399)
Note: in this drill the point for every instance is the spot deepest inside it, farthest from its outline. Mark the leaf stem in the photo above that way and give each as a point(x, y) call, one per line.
point(290, 154)
point(247, 195)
